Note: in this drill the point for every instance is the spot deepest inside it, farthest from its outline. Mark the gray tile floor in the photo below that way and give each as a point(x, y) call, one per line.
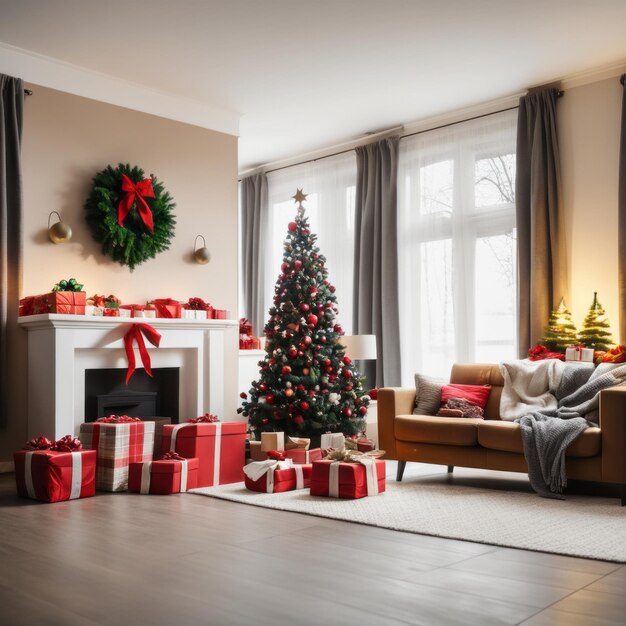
point(187, 560)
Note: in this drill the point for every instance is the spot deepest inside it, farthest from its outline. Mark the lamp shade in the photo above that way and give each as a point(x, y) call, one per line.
point(359, 347)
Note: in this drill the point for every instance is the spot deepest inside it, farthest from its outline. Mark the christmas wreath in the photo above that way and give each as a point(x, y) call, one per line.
point(130, 215)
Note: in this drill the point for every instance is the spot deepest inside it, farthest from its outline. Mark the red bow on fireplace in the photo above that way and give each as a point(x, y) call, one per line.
point(136, 332)
point(136, 192)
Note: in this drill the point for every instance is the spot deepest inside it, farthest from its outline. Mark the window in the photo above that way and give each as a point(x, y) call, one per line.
point(456, 243)
point(330, 185)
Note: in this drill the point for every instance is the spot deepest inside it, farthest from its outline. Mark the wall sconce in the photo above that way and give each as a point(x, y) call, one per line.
point(59, 232)
point(201, 255)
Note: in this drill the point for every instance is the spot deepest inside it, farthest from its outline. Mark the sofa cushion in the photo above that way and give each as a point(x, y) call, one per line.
point(427, 394)
point(453, 431)
point(507, 436)
point(476, 394)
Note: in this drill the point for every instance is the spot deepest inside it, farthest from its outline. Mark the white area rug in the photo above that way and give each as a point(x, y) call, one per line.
point(582, 526)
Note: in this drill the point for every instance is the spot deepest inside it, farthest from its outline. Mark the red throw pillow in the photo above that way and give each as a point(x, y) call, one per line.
point(476, 394)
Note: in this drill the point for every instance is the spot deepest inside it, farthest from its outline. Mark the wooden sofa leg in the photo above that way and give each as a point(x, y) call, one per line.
point(450, 469)
point(401, 466)
point(623, 495)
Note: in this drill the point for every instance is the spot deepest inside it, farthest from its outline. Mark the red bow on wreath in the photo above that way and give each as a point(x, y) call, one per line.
point(136, 192)
point(136, 332)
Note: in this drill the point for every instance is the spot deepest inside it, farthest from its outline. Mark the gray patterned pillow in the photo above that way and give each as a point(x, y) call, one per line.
point(427, 394)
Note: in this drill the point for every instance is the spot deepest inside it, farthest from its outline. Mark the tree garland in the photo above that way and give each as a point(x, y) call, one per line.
point(121, 211)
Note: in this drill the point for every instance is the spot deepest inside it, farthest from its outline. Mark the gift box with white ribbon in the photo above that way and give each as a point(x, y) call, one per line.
point(336, 479)
point(163, 477)
point(276, 476)
point(55, 476)
point(220, 448)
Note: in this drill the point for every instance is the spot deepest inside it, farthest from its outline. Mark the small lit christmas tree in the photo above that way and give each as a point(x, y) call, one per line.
point(561, 332)
point(595, 332)
point(307, 385)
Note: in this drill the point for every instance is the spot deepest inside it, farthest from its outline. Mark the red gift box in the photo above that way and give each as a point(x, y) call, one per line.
point(64, 302)
point(117, 445)
point(348, 480)
point(276, 480)
point(166, 307)
point(55, 476)
point(163, 477)
point(219, 446)
point(220, 314)
point(302, 457)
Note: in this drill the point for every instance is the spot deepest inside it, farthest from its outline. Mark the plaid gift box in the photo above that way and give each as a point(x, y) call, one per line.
point(117, 445)
point(300, 456)
point(219, 446)
point(55, 476)
point(163, 477)
point(336, 479)
point(276, 476)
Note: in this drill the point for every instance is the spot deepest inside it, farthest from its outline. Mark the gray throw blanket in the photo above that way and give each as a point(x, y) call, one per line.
point(546, 434)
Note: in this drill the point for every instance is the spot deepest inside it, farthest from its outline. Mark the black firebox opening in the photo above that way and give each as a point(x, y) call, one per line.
point(106, 393)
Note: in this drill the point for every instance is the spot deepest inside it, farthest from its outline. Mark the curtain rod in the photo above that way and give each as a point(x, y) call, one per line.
point(622, 78)
point(560, 93)
point(28, 92)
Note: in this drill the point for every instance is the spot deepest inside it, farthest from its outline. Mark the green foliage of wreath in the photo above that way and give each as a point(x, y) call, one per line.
point(132, 243)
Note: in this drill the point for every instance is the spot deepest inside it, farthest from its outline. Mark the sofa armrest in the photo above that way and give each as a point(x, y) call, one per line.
point(613, 427)
point(392, 401)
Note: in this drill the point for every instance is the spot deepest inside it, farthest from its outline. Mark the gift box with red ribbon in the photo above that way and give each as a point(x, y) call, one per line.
point(166, 307)
point(118, 441)
point(273, 476)
point(197, 309)
point(304, 457)
point(139, 310)
point(55, 472)
point(219, 446)
point(171, 474)
point(353, 480)
point(63, 302)
point(220, 314)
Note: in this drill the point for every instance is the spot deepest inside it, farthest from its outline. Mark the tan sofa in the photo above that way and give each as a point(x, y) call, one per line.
point(598, 454)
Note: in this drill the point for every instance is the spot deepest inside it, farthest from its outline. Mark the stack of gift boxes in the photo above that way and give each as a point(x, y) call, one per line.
point(246, 340)
point(340, 468)
point(117, 453)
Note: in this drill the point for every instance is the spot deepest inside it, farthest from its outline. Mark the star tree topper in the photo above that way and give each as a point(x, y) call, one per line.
point(300, 198)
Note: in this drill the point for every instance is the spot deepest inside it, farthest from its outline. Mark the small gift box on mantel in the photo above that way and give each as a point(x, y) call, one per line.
point(170, 474)
point(197, 309)
point(579, 353)
point(54, 472)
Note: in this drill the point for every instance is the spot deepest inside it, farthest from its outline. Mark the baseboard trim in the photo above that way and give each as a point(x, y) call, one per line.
point(7, 467)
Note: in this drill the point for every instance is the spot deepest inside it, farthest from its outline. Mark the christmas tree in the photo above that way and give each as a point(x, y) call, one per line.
point(307, 385)
point(561, 332)
point(595, 332)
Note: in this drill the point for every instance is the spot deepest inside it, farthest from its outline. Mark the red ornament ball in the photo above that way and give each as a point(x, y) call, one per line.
point(298, 419)
point(243, 395)
point(292, 353)
point(362, 410)
point(332, 289)
point(305, 371)
point(303, 406)
point(347, 360)
point(304, 307)
point(292, 227)
point(311, 320)
point(286, 370)
point(347, 411)
point(262, 387)
point(306, 340)
point(269, 398)
point(346, 373)
point(298, 264)
point(265, 421)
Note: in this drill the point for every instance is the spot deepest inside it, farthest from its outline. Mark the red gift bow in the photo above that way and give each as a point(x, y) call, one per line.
point(245, 327)
point(172, 456)
point(161, 306)
point(540, 353)
point(40, 443)
point(118, 419)
point(196, 304)
point(136, 192)
point(68, 443)
point(96, 300)
point(136, 332)
point(277, 455)
point(207, 417)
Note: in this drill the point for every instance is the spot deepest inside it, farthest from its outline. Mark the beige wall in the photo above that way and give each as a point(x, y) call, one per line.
point(67, 139)
point(589, 130)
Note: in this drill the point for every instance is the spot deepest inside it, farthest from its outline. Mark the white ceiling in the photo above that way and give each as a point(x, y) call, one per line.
point(306, 74)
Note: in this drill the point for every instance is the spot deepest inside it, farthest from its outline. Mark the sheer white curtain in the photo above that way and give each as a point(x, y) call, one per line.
point(456, 245)
point(330, 184)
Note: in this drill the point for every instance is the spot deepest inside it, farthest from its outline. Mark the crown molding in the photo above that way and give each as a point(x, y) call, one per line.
point(593, 75)
point(48, 72)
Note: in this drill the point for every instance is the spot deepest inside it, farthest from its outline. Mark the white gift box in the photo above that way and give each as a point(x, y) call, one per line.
point(97, 311)
point(333, 440)
point(584, 355)
point(144, 313)
point(125, 313)
point(191, 314)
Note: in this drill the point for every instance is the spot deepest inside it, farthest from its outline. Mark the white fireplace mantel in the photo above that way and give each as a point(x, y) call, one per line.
point(62, 347)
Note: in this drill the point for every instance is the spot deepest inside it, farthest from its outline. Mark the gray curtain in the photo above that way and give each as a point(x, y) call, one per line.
point(621, 203)
point(542, 273)
point(376, 309)
point(254, 210)
point(11, 112)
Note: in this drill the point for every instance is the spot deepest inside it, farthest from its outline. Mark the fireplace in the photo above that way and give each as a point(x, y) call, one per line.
point(106, 393)
point(63, 348)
